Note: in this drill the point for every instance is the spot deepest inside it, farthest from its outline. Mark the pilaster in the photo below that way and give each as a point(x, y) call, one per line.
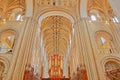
point(86, 50)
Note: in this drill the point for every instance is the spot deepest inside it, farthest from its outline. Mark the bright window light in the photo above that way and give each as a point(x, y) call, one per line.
point(93, 18)
point(19, 17)
point(115, 19)
point(10, 37)
point(102, 40)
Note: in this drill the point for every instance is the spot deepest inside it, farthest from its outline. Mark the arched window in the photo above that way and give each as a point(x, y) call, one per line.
point(112, 70)
point(104, 42)
point(7, 39)
point(93, 17)
point(16, 14)
point(104, 10)
point(96, 15)
point(2, 69)
point(12, 10)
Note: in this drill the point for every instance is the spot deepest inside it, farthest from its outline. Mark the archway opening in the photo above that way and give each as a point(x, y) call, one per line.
point(112, 70)
point(56, 32)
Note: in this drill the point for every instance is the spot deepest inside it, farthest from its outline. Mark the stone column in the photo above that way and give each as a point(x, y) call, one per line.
point(25, 51)
point(45, 64)
point(44, 59)
point(22, 53)
point(29, 8)
point(15, 54)
point(86, 52)
point(65, 63)
point(65, 68)
point(83, 8)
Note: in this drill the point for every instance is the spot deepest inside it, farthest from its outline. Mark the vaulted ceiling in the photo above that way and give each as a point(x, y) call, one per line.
point(56, 31)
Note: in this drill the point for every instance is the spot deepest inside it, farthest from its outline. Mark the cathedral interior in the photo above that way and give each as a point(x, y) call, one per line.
point(59, 39)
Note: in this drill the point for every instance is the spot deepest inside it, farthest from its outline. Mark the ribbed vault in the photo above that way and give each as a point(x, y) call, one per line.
point(56, 31)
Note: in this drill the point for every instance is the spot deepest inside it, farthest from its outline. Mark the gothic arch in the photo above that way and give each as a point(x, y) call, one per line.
point(64, 18)
point(63, 15)
point(55, 13)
